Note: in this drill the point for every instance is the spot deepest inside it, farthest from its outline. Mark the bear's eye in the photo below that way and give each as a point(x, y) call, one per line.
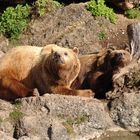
point(65, 53)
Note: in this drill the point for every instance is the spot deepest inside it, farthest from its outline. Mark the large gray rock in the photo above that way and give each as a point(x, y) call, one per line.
point(133, 31)
point(62, 118)
point(125, 111)
point(6, 125)
point(70, 26)
point(58, 117)
point(54, 117)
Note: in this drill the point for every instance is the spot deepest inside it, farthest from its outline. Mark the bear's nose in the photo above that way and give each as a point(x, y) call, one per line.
point(56, 55)
point(119, 55)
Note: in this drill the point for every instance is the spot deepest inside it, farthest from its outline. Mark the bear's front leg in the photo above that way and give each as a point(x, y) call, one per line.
point(17, 89)
point(68, 91)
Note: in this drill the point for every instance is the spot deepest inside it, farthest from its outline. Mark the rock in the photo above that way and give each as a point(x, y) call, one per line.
point(59, 117)
point(133, 31)
point(70, 26)
point(62, 117)
point(129, 81)
point(125, 111)
point(3, 136)
point(3, 44)
point(6, 126)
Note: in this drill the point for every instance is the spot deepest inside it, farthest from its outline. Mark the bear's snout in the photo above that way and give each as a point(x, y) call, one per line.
point(56, 56)
point(118, 57)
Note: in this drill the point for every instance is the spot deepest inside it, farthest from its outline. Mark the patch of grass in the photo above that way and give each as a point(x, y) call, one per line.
point(17, 104)
point(68, 124)
point(44, 6)
point(1, 120)
point(102, 35)
point(69, 128)
point(133, 13)
point(98, 8)
point(16, 115)
point(14, 21)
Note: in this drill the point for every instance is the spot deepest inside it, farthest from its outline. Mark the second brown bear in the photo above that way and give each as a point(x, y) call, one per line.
point(97, 70)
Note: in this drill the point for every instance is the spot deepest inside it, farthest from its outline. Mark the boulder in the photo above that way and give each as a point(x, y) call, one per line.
point(4, 43)
point(125, 111)
point(70, 26)
point(55, 117)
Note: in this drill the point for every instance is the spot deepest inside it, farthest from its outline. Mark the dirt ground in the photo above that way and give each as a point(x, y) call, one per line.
point(117, 34)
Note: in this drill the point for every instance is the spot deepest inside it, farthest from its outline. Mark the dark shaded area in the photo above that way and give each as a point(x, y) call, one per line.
point(19, 130)
point(66, 2)
point(102, 85)
point(6, 3)
point(116, 9)
point(50, 132)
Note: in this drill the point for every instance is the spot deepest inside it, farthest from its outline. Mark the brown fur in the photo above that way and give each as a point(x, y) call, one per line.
point(98, 70)
point(50, 69)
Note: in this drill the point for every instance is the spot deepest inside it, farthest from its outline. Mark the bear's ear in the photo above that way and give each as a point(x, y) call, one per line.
point(76, 50)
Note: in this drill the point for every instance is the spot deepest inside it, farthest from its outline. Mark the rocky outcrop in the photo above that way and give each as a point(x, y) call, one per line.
point(70, 26)
point(73, 26)
point(125, 111)
point(58, 117)
point(55, 117)
point(4, 43)
point(133, 31)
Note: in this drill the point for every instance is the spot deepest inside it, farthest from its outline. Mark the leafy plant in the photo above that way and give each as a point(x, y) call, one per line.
point(17, 104)
point(44, 6)
point(14, 20)
point(98, 8)
point(16, 115)
point(68, 124)
point(102, 35)
point(133, 13)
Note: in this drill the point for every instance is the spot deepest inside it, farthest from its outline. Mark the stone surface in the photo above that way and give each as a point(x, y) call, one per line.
point(58, 117)
point(3, 136)
point(3, 44)
point(70, 26)
point(125, 111)
point(63, 117)
point(133, 31)
point(54, 117)
point(6, 126)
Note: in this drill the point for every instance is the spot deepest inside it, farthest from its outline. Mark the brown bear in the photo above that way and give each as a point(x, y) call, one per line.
point(50, 69)
point(99, 70)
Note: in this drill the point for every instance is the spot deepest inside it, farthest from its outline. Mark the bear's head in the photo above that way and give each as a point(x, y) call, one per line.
point(120, 58)
point(63, 64)
point(114, 59)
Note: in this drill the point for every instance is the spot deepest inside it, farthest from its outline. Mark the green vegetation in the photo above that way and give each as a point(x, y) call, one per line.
point(69, 128)
point(68, 124)
point(133, 13)
point(17, 104)
point(16, 115)
point(44, 6)
point(1, 120)
point(98, 8)
point(102, 35)
point(14, 21)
